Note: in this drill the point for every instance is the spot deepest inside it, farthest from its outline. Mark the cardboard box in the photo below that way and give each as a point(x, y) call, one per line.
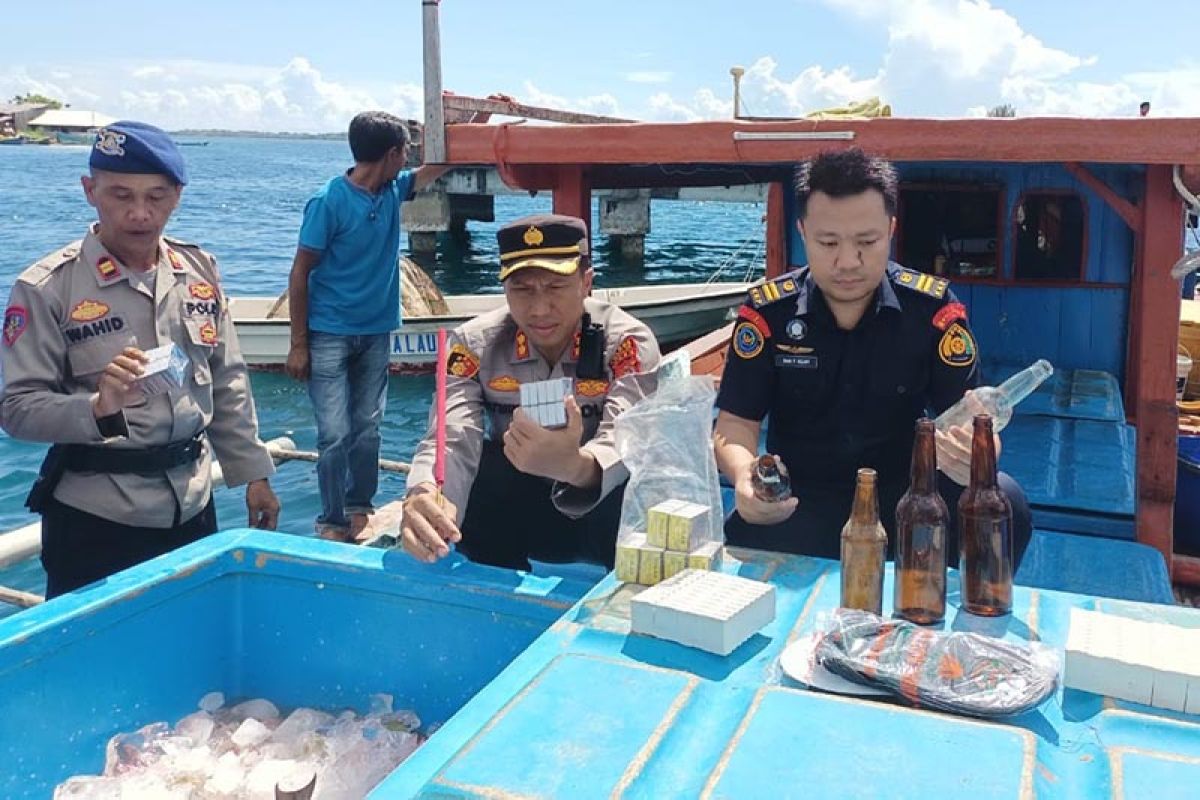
point(628, 556)
point(687, 524)
point(708, 556)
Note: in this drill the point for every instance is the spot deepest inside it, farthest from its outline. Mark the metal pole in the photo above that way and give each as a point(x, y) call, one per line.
point(737, 73)
point(435, 115)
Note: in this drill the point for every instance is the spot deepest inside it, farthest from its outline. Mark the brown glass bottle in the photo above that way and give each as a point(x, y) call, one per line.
point(864, 549)
point(985, 531)
point(921, 523)
point(770, 479)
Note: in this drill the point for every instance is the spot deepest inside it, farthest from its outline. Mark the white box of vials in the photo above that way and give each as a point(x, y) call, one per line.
point(708, 610)
point(543, 401)
point(167, 370)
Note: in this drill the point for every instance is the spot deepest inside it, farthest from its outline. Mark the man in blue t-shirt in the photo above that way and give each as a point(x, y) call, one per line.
point(344, 300)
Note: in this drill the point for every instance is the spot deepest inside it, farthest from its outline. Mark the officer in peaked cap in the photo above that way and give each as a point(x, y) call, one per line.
point(128, 474)
point(516, 490)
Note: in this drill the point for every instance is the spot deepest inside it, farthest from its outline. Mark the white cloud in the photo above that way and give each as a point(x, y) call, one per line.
point(197, 94)
point(648, 76)
point(950, 58)
point(602, 104)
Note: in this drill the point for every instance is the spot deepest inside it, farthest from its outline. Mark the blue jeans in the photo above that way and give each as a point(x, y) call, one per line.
point(348, 388)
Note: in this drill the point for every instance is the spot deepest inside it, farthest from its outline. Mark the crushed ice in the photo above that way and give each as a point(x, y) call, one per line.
point(243, 752)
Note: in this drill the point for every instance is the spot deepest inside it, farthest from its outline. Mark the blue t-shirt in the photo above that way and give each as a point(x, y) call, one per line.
point(355, 287)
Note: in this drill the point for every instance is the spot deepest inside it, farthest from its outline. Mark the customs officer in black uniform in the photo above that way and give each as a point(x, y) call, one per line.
point(844, 356)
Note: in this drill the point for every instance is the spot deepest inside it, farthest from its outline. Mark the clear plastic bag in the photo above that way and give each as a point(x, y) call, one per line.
point(959, 672)
point(665, 441)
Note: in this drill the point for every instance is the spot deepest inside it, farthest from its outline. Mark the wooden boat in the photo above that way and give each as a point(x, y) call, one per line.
point(676, 313)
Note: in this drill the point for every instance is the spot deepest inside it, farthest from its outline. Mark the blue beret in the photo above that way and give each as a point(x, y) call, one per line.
point(135, 147)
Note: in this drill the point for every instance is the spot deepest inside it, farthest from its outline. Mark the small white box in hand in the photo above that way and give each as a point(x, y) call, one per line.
point(167, 369)
point(708, 610)
point(543, 401)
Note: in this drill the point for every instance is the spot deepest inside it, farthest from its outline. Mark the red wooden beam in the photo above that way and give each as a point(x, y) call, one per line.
point(777, 231)
point(573, 195)
point(1124, 141)
point(1125, 209)
point(1157, 323)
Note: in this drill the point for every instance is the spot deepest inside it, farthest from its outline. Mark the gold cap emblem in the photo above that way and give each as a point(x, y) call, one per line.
point(534, 237)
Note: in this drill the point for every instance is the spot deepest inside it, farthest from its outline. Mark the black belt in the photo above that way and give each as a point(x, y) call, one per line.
point(141, 461)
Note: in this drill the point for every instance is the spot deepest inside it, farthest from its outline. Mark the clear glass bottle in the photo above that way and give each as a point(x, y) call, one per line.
point(997, 402)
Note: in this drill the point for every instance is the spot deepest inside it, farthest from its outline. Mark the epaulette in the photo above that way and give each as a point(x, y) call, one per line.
point(179, 242)
point(774, 290)
point(45, 267)
point(921, 282)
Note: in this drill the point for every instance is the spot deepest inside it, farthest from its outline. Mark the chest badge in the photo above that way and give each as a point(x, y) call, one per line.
point(89, 310)
point(796, 329)
point(208, 333)
point(504, 383)
point(202, 291)
point(591, 388)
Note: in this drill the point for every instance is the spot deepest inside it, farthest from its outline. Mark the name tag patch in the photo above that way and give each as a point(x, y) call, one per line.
point(796, 362)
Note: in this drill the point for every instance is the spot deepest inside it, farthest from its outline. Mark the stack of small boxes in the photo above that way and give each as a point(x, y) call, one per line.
point(543, 401)
point(1152, 663)
point(674, 541)
point(165, 370)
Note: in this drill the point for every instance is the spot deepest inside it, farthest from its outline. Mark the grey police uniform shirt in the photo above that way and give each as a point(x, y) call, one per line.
point(69, 315)
point(488, 361)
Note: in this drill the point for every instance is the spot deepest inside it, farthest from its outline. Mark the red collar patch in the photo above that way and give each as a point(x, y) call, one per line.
point(521, 347)
point(107, 269)
point(176, 261)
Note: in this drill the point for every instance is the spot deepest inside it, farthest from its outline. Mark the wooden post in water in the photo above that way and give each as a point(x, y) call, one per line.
point(435, 112)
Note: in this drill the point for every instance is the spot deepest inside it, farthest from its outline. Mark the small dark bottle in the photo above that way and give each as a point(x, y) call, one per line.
point(770, 479)
point(985, 522)
point(922, 520)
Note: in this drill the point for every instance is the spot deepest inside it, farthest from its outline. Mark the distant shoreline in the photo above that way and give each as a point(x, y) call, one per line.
point(222, 133)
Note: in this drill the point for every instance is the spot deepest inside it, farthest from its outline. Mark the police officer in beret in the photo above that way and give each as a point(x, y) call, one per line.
point(128, 475)
point(844, 356)
point(515, 490)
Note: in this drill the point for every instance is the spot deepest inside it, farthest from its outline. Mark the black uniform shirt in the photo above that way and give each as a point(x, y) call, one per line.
point(838, 400)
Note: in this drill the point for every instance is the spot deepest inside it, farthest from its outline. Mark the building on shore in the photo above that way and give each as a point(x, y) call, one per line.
point(15, 117)
point(70, 125)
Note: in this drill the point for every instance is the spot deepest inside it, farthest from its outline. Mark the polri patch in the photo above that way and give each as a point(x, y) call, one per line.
point(16, 320)
point(625, 359)
point(89, 310)
point(747, 340)
point(957, 347)
point(948, 313)
point(461, 362)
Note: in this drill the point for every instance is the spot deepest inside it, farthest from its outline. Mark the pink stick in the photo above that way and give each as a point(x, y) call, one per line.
point(439, 464)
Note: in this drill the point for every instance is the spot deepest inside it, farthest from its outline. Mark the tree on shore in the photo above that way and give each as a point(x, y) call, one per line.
point(37, 99)
point(1002, 110)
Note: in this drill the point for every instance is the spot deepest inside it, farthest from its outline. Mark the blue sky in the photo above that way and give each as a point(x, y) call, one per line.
point(308, 65)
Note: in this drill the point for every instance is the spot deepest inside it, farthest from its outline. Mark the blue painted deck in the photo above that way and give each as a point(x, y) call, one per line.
point(591, 711)
point(552, 700)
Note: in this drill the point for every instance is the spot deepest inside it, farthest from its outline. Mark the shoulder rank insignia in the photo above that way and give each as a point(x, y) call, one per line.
point(773, 290)
point(920, 282)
